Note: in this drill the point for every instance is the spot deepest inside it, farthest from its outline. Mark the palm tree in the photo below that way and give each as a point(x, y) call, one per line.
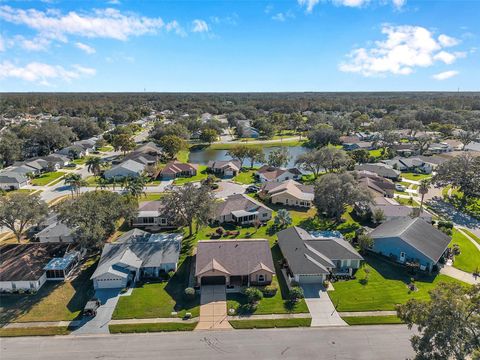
point(135, 186)
point(94, 165)
point(75, 182)
point(103, 183)
point(422, 190)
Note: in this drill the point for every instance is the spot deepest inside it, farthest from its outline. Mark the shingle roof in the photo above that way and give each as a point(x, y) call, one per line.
point(223, 164)
point(128, 165)
point(417, 233)
point(56, 229)
point(8, 176)
point(239, 202)
point(174, 167)
point(272, 173)
point(234, 257)
point(307, 254)
point(26, 261)
point(380, 169)
point(300, 191)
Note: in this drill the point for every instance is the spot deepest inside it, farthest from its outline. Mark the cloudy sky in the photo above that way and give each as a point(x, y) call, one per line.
point(287, 45)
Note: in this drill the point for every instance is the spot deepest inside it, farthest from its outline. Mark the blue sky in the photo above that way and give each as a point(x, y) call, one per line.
point(288, 45)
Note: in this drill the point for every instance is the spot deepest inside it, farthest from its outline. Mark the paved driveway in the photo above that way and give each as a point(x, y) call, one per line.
point(213, 308)
point(227, 188)
point(99, 323)
point(321, 307)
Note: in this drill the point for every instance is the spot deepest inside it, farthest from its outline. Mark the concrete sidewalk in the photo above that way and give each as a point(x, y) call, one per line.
point(460, 275)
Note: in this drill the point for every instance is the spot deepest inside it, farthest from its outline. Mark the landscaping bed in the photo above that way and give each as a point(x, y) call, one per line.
point(151, 327)
point(270, 323)
point(386, 286)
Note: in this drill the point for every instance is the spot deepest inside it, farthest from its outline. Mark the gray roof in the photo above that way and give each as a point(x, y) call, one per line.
point(307, 254)
point(9, 176)
point(239, 202)
point(130, 165)
point(138, 255)
point(380, 169)
point(473, 146)
point(417, 233)
point(390, 210)
point(235, 257)
point(132, 235)
point(56, 229)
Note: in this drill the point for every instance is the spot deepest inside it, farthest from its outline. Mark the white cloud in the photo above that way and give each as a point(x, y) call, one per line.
point(104, 23)
point(42, 73)
point(2, 44)
point(86, 48)
point(447, 41)
point(405, 48)
point(310, 4)
point(176, 28)
point(445, 75)
point(200, 25)
point(283, 16)
point(114, 2)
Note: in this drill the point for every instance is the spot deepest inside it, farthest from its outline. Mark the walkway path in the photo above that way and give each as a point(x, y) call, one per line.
point(213, 308)
point(459, 275)
point(320, 306)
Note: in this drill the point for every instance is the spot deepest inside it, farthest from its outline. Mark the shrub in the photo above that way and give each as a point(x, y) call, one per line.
point(270, 290)
point(253, 295)
point(445, 224)
point(190, 293)
point(171, 273)
point(296, 293)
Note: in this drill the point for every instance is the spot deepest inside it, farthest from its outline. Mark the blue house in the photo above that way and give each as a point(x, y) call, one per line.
point(410, 240)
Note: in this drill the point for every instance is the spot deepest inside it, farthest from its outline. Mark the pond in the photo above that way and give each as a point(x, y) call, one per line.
point(203, 156)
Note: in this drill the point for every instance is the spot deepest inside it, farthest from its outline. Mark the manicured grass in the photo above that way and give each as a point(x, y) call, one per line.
point(376, 153)
point(262, 144)
point(150, 197)
point(201, 174)
point(246, 177)
point(414, 176)
point(18, 191)
point(472, 235)
point(268, 305)
point(80, 161)
point(159, 299)
point(35, 331)
point(386, 287)
point(55, 301)
point(105, 148)
point(153, 327)
point(183, 155)
point(407, 202)
point(46, 178)
point(270, 323)
point(372, 320)
point(469, 258)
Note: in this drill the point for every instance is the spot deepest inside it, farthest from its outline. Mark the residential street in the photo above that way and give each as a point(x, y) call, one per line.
point(360, 343)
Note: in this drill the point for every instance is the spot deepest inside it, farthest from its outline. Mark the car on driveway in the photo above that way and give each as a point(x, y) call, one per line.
point(91, 307)
point(400, 187)
point(252, 189)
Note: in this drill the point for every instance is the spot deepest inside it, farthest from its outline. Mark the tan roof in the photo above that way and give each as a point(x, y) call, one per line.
point(272, 173)
point(174, 167)
point(239, 202)
point(234, 257)
point(292, 187)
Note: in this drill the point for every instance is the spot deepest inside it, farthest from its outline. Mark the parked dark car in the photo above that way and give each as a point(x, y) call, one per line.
point(91, 307)
point(252, 189)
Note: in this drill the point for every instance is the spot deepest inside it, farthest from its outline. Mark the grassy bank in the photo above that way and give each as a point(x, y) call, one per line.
point(228, 146)
point(270, 323)
point(151, 327)
point(372, 320)
point(35, 331)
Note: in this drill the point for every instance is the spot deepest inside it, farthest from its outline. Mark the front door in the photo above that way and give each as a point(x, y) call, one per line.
point(402, 257)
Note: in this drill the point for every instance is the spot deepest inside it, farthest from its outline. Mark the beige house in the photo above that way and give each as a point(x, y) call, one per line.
point(241, 210)
point(288, 193)
point(234, 262)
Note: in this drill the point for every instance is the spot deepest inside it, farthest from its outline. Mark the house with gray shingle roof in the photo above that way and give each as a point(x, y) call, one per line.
point(312, 258)
point(10, 180)
point(288, 192)
point(242, 210)
point(380, 169)
point(234, 262)
point(128, 168)
point(407, 239)
point(134, 258)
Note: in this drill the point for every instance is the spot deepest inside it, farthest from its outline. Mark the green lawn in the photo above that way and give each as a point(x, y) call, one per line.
point(150, 197)
point(153, 327)
point(54, 302)
point(268, 305)
point(246, 177)
point(105, 148)
point(159, 299)
point(35, 331)
point(269, 323)
point(414, 176)
point(469, 258)
point(80, 161)
point(386, 287)
point(201, 174)
point(472, 235)
point(407, 202)
point(375, 153)
point(183, 155)
point(46, 178)
point(372, 320)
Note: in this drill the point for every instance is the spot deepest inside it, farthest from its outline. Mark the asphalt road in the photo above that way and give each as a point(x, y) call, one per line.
point(360, 342)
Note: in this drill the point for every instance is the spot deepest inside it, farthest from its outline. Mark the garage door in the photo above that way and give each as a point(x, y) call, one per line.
point(310, 279)
point(213, 280)
point(110, 283)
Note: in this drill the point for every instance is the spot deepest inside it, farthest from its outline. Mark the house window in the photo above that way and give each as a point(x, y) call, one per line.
point(163, 221)
point(261, 278)
point(265, 214)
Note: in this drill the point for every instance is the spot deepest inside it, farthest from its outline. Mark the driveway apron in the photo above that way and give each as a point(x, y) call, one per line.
point(213, 308)
point(99, 323)
point(321, 307)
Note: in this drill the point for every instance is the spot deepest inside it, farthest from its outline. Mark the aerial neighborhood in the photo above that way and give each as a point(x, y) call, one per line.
point(173, 213)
